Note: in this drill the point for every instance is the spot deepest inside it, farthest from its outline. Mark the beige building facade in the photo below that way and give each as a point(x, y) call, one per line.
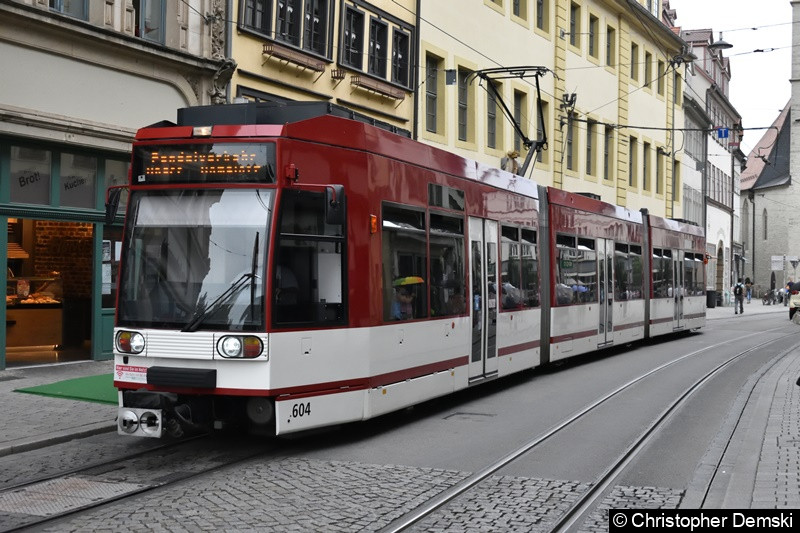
point(610, 99)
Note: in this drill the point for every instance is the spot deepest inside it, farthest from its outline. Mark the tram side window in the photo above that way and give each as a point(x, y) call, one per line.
point(447, 265)
point(692, 274)
point(576, 270)
point(308, 284)
point(519, 268)
point(627, 272)
point(663, 277)
point(405, 262)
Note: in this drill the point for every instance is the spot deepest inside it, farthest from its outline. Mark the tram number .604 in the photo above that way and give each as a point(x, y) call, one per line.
point(301, 409)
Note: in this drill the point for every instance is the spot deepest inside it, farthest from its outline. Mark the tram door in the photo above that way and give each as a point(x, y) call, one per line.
point(678, 291)
point(605, 281)
point(484, 297)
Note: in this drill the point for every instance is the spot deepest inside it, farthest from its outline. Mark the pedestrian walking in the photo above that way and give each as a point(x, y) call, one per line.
point(738, 293)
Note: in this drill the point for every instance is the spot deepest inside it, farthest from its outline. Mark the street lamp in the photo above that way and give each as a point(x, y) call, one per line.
point(722, 44)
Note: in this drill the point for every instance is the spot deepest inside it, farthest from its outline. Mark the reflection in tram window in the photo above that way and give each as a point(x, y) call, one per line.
point(447, 265)
point(520, 269)
point(576, 270)
point(663, 275)
point(405, 261)
point(693, 274)
point(627, 272)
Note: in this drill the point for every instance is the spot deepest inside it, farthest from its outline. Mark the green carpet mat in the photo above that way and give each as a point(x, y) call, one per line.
point(99, 389)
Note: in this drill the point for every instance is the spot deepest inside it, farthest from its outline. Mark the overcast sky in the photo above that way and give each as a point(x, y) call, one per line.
point(759, 80)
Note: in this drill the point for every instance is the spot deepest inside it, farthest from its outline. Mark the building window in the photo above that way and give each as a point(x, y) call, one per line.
point(520, 117)
point(660, 72)
point(73, 8)
point(295, 21)
point(287, 27)
point(149, 18)
point(590, 133)
point(541, 124)
point(520, 9)
point(315, 29)
point(648, 69)
point(608, 158)
point(611, 47)
point(676, 180)
point(570, 142)
point(432, 93)
point(646, 166)
point(574, 24)
point(765, 224)
point(491, 117)
point(634, 61)
point(659, 171)
point(378, 35)
point(400, 52)
point(353, 45)
point(594, 37)
point(542, 14)
point(633, 162)
point(257, 15)
point(463, 105)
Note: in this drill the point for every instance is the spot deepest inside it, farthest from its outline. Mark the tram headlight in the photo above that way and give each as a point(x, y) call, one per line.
point(130, 342)
point(247, 347)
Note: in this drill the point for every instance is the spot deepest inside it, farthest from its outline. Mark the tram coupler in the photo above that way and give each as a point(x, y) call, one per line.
point(154, 414)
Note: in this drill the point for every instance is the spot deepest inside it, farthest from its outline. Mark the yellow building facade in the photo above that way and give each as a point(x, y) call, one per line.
point(610, 98)
point(611, 94)
point(352, 53)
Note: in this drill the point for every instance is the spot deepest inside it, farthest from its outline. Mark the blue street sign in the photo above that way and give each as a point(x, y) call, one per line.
point(722, 133)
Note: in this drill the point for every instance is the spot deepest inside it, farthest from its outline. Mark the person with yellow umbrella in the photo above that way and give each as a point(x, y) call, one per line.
point(403, 305)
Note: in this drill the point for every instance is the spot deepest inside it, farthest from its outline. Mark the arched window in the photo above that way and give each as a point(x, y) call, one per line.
point(765, 224)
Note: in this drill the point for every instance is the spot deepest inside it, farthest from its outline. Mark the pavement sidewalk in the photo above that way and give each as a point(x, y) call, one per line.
point(30, 421)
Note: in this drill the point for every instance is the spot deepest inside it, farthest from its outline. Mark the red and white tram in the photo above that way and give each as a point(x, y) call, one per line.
point(288, 267)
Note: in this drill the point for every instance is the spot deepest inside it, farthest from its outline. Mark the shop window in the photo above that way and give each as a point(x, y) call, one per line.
point(78, 176)
point(30, 175)
point(116, 174)
point(405, 260)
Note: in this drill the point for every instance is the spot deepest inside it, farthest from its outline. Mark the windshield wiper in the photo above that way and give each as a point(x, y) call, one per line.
point(202, 313)
point(247, 278)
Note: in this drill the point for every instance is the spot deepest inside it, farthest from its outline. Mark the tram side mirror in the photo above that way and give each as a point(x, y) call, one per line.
point(335, 205)
point(112, 204)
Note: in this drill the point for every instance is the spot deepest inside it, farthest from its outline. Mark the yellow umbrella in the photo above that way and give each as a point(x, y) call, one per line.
point(408, 280)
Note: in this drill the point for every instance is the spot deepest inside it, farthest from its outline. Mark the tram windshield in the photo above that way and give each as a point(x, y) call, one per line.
point(194, 259)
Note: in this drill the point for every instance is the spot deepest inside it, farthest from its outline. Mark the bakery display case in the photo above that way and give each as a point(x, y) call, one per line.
point(34, 311)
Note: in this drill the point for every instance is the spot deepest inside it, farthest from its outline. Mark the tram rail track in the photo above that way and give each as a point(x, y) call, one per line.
point(586, 501)
point(48, 499)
